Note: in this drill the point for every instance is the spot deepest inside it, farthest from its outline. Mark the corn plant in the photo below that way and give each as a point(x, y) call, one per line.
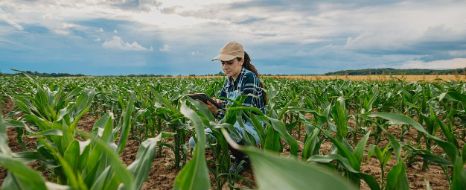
point(397, 178)
point(349, 160)
point(144, 107)
point(20, 176)
point(383, 156)
point(82, 164)
point(270, 169)
point(453, 151)
point(194, 174)
point(168, 112)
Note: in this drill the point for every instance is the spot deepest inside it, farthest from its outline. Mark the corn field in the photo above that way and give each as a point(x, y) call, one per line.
point(316, 135)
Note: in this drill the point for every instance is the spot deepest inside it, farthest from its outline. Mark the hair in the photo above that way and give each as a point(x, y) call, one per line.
point(249, 66)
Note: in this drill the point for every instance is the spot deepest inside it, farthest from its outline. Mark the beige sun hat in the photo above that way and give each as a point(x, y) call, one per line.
point(230, 51)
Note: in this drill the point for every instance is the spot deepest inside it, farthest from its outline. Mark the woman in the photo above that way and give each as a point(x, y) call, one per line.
point(242, 79)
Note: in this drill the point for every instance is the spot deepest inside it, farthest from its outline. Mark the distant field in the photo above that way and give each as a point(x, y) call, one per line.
point(357, 77)
point(379, 77)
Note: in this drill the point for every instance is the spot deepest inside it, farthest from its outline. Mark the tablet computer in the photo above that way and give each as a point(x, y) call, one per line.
point(203, 98)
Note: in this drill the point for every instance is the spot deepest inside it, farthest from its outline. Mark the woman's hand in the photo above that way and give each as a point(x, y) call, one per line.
point(217, 100)
point(212, 107)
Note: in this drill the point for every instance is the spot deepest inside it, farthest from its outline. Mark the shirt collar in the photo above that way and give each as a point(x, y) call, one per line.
point(231, 82)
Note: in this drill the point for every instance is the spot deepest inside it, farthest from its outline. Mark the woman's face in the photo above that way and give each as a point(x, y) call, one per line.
point(232, 68)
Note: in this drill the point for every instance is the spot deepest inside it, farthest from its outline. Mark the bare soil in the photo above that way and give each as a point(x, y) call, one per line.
point(6, 106)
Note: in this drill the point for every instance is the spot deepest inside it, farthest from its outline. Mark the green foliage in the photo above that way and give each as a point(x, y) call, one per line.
point(194, 174)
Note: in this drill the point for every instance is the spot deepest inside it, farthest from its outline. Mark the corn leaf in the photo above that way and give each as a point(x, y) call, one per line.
point(20, 176)
point(143, 163)
point(396, 178)
point(275, 172)
point(194, 174)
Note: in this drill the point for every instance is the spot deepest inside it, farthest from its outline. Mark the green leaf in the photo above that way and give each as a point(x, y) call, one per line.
point(143, 163)
point(20, 176)
point(311, 144)
point(126, 125)
point(359, 149)
point(344, 150)
point(73, 179)
point(396, 118)
point(101, 181)
point(121, 174)
point(458, 176)
point(455, 95)
point(400, 119)
point(48, 132)
point(371, 181)
point(3, 138)
point(274, 172)
point(341, 118)
point(396, 178)
point(332, 157)
point(103, 128)
point(446, 129)
point(463, 154)
point(71, 154)
point(281, 129)
point(272, 140)
point(194, 174)
point(395, 144)
point(82, 106)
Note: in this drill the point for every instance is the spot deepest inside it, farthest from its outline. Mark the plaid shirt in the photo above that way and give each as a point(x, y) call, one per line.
point(250, 87)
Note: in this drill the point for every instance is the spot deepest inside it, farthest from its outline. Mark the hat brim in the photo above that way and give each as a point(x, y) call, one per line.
point(224, 57)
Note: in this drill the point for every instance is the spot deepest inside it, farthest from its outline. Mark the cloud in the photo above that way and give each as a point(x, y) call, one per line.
point(196, 53)
point(67, 28)
point(11, 22)
point(164, 48)
point(438, 64)
point(320, 36)
point(365, 24)
point(117, 43)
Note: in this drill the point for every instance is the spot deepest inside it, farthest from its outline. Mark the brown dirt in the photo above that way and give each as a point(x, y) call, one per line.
point(6, 106)
point(416, 177)
point(87, 122)
point(163, 173)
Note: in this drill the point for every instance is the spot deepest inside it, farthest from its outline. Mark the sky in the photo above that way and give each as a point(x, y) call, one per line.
point(180, 37)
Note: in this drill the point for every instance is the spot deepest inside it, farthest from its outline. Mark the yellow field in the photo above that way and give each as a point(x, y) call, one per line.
point(359, 77)
point(379, 77)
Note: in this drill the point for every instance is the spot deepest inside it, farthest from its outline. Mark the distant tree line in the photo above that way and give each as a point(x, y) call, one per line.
point(390, 71)
point(35, 73)
point(382, 71)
